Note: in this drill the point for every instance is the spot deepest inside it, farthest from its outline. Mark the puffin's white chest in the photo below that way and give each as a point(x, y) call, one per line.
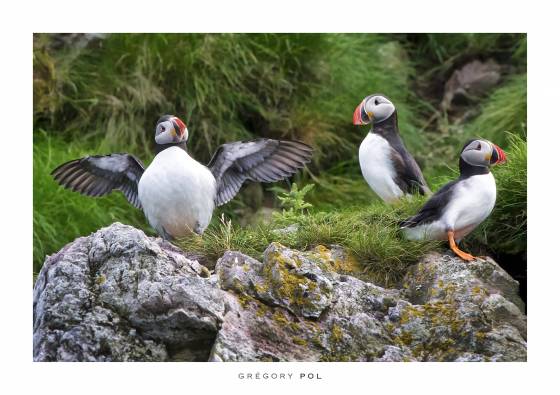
point(377, 168)
point(177, 193)
point(472, 202)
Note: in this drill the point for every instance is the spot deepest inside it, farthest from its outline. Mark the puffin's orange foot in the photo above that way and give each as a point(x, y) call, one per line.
point(461, 254)
point(464, 255)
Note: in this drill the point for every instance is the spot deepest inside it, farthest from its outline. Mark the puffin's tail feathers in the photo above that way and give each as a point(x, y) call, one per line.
point(410, 222)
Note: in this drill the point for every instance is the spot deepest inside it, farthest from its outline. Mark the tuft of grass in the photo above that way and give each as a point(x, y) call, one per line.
point(218, 83)
point(370, 233)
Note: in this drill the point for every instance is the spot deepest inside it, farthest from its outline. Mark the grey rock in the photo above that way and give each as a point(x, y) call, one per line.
point(461, 309)
point(447, 310)
point(470, 82)
point(286, 278)
point(118, 295)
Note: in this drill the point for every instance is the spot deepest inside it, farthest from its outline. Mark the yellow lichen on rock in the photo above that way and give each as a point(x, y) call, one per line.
point(262, 309)
point(286, 283)
point(336, 334)
point(280, 318)
point(326, 260)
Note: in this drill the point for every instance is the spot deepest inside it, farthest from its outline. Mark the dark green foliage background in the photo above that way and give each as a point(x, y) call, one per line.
point(107, 96)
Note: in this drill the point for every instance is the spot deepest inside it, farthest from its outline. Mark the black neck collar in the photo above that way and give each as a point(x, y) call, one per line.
point(388, 126)
point(389, 130)
point(468, 170)
point(161, 147)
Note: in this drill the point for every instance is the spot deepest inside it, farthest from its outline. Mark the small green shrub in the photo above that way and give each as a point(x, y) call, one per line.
point(293, 202)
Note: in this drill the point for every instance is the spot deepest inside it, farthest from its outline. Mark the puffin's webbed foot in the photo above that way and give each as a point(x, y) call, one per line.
point(461, 254)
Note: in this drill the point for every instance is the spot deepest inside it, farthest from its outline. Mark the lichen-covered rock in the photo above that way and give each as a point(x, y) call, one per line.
point(460, 311)
point(447, 310)
point(295, 306)
point(119, 295)
point(286, 278)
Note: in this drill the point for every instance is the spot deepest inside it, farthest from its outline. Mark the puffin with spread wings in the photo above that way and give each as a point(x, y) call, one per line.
point(177, 193)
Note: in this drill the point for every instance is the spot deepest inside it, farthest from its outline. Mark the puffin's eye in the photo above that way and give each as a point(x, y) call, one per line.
point(479, 147)
point(376, 102)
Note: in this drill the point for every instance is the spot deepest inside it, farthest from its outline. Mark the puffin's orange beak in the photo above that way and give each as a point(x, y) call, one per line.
point(498, 155)
point(179, 126)
point(360, 115)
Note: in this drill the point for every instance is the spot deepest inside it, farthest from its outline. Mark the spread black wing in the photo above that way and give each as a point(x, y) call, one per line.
point(262, 160)
point(408, 174)
point(100, 174)
point(433, 208)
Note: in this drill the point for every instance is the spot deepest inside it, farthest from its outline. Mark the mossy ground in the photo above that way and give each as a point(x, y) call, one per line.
point(107, 96)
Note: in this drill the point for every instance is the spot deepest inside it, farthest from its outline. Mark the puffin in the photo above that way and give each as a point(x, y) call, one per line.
point(177, 193)
point(462, 204)
point(388, 168)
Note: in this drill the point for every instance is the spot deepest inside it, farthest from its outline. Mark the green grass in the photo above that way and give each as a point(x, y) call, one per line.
point(225, 86)
point(505, 110)
point(370, 233)
point(107, 97)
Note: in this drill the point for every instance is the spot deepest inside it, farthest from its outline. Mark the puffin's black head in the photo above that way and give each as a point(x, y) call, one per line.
point(171, 130)
point(482, 153)
point(374, 108)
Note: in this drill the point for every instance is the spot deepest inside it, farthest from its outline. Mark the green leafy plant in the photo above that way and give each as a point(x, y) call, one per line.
point(293, 202)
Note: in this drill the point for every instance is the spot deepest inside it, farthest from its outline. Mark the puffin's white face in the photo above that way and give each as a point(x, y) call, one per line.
point(482, 153)
point(376, 108)
point(171, 130)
